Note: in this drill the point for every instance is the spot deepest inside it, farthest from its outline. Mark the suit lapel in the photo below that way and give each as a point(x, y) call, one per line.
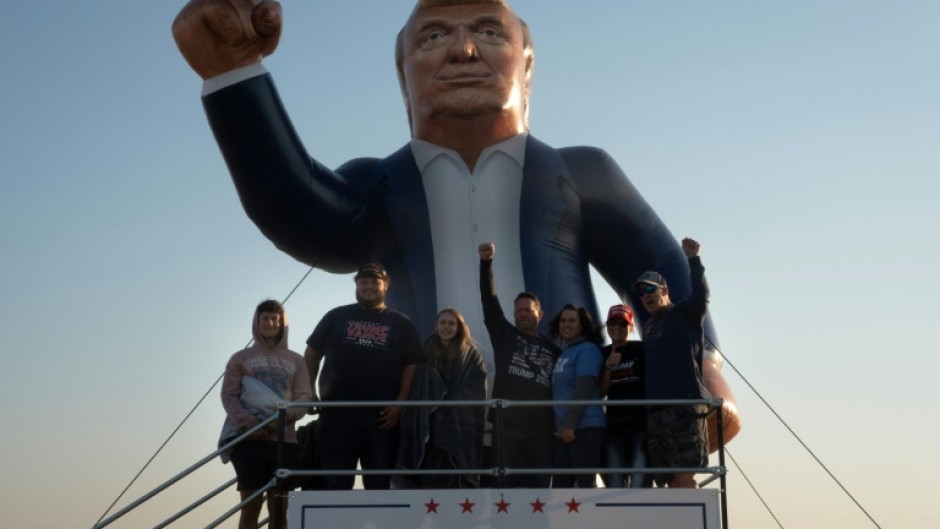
point(543, 207)
point(406, 205)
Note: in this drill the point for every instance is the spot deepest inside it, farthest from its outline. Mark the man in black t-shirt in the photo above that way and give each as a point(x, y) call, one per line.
point(524, 361)
point(369, 353)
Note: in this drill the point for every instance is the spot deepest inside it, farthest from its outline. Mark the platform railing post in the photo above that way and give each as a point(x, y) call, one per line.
point(719, 422)
point(497, 446)
point(278, 518)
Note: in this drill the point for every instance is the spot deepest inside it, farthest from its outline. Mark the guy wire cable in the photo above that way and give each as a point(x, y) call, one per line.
point(797, 437)
point(188, 415)
point(759, 497)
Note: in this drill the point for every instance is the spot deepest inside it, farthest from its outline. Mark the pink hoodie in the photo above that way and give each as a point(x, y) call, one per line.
point(279, 368)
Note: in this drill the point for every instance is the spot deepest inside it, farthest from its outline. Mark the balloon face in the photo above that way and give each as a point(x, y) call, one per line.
point(464, 61)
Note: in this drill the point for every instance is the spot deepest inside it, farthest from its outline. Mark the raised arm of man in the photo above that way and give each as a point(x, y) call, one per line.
point(493, 316)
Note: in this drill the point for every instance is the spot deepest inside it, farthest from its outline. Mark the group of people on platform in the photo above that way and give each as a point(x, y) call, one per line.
point(367, 351)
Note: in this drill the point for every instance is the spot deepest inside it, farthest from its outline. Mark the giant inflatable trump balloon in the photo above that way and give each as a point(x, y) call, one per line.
point(471, 172)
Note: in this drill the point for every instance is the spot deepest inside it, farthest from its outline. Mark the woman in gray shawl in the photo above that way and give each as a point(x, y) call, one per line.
point(445, 438)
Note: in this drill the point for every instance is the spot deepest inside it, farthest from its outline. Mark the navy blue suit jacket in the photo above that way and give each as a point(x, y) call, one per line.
point(577, 209)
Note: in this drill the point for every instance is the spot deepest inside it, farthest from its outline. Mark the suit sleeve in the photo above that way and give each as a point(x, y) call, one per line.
point(307, 210)
point(623, 236)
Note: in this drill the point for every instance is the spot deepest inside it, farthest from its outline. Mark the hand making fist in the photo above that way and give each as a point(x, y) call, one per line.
point(690, 247)
point(217, 36)
point(487, 250)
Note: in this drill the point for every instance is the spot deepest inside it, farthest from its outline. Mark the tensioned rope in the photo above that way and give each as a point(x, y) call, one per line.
point(797, 437)
point(761, 498)
point(188, 415)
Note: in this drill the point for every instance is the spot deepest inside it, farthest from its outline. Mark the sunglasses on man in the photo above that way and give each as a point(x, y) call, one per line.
point(646, 289)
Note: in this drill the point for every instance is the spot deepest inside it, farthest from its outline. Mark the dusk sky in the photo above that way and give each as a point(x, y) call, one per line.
point(798, 141)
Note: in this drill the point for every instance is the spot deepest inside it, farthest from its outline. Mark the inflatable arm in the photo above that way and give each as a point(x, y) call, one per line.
point(304, 208)
point(623, 238)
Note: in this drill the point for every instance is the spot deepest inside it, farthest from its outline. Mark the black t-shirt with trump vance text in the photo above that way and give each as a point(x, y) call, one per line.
point(364, 352)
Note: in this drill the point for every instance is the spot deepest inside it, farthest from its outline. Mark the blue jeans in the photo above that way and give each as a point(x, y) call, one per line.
point(627, 448)
point(584, 452)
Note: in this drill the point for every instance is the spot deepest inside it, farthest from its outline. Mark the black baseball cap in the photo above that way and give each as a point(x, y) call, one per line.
point(372, 269)
point(650, 277)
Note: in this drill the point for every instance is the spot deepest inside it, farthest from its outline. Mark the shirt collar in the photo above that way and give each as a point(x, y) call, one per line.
point(425, 152)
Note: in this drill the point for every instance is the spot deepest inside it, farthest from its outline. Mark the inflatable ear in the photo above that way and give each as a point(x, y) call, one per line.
point(716, 385)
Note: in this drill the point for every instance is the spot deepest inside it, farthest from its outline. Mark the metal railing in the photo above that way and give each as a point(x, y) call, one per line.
point(175, 479)
point(497, 471)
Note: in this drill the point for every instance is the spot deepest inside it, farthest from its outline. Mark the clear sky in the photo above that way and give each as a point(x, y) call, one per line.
point(798, 141)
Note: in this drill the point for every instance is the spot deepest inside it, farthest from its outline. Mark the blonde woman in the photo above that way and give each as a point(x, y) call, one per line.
point(445, 438)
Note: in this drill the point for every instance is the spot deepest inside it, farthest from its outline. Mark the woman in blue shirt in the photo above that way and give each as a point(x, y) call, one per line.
point(579, 429)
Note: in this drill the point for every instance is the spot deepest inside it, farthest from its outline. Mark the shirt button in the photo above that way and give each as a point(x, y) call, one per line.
point(475, 227)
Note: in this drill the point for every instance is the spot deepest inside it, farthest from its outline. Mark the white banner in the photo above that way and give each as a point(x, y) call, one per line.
point(509, 509)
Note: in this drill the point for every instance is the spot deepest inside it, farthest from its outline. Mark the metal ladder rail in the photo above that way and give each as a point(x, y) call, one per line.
point(189, 508)
point(172, 481)
point(218, 521)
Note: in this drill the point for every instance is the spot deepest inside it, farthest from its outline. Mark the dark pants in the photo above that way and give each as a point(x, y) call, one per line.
point(437, 459)
point(583, 452)
point(626, 447)
point(255, 462)
point(348, 437)
point(522, 447)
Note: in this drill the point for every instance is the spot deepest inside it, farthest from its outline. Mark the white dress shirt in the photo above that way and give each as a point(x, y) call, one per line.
point(469, 208)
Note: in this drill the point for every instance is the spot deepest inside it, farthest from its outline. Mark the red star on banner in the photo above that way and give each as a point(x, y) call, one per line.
point(467, 505)
point(573, 506)
point(537, 505)
point(432, 506)
point(502, 506)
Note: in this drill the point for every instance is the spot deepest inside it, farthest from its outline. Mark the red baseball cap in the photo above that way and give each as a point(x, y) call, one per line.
point(620, 312)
